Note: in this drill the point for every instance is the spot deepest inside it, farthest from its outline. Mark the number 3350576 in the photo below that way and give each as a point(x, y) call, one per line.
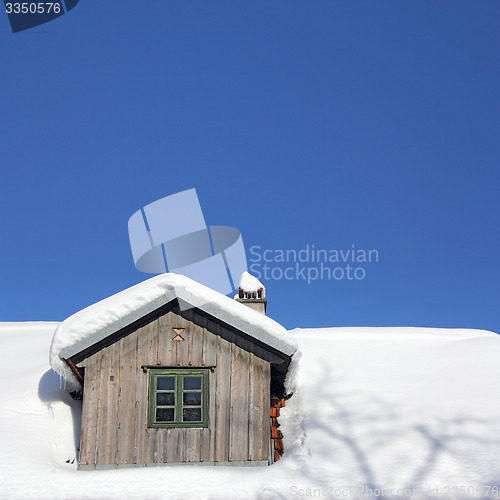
point(33, 8)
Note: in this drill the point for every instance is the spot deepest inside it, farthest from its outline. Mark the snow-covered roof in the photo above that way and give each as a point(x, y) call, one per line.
point(98, 321)
point(402, 408)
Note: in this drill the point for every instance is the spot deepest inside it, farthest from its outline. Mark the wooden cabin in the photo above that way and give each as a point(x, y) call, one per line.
point(173, 383)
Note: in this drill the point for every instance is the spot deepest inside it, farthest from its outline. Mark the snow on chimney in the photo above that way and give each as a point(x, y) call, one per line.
point(252, 293)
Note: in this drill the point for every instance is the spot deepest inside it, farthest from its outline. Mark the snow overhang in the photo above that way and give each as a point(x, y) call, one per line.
point(101, 320)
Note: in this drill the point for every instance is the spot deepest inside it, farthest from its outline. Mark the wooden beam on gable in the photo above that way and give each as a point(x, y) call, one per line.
point(74, 369)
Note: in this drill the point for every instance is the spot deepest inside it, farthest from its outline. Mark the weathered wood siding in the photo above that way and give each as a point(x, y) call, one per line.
point(115, 399)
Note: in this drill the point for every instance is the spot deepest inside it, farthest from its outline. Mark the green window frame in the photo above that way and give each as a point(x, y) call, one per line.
point(178, 397)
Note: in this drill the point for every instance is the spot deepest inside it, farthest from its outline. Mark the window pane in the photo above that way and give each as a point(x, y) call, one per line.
point(165, 383)
point(191, 414)
point(191, 383)
point(192, 398)
point(165, 398)
point(164, 414)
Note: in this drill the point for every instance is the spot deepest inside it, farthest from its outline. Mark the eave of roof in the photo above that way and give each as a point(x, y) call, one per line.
point(230, 317)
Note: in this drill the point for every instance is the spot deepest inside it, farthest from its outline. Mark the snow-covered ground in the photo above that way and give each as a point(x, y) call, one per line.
point(375, 410)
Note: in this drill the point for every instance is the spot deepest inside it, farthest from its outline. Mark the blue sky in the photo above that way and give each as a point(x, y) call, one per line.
point(328, 123)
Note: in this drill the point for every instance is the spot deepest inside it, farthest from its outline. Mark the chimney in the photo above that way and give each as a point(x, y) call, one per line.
point(252, 293)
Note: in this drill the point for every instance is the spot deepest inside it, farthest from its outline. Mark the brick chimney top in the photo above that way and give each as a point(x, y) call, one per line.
point(252, 293)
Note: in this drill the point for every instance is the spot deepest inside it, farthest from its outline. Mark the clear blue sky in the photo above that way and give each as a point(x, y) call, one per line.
point(333, 123)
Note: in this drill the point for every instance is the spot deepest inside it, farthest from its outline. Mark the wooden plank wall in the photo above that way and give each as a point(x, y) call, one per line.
point(115, 400)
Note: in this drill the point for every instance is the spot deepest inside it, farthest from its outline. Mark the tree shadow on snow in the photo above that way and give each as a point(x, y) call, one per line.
point(50, 391)
point(369, 431)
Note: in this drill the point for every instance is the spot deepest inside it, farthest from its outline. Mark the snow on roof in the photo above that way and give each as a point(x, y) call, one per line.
point(393, 408)
point(96, 322)
point(250, 283)
point(386, 408)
